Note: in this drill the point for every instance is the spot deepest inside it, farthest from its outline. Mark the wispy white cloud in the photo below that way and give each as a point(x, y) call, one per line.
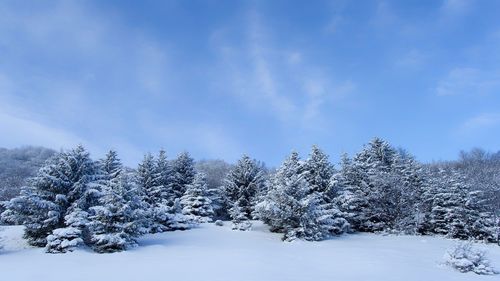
point(481, 121)
point(452, 12)
point(282, 82)
point(69, 70)
point(251, 69)
point(455, 7)
point(97, 51)
point(471, 81)
point(22, 128)
point(384, 15)
point(335, 23)
point(322, 92)
point(294, 58)
point(411, 59)
point(264, 77)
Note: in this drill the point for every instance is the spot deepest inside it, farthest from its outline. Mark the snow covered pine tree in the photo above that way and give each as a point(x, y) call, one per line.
point(119, 216)
point(196, 202)
point(318, 172)
point(380, 189)
point(241, 186)
point(54, 205)
point(295, 208)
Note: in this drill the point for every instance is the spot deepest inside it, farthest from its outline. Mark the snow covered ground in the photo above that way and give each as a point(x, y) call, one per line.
point(218, 253)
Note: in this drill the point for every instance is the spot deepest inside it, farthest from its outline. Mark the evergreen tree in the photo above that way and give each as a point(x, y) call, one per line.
point(371, 192)
point(119, 218)
point(164, 179)
point(411, 185)
point(318, 172)
point(54, 205)
point(215, 171)
point(196, 202)
point(353, 190)
point(454, 209)
point(480, 221)
point(239, 218)
point(111, 165)
point(175, 178)
point(42, 203)
point(86, 183)
point(161, 184)
point(183, 173)
point(147, 179)
point(447, 216)
point(241, 187)
point(294, 208)
point(281, 207)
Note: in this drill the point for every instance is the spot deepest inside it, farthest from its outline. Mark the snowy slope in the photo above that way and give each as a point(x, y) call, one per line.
point(218, 253)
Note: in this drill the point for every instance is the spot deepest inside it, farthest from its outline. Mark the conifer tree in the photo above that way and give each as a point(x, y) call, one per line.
point(147, 178)
point(353, 190)
point(318, 172)
point(480, 221)
point(173, 180)
point(164, 179)
point(454, 210)
point(196, 202)
point(239, 219)
point(296, 209)
point(119, 218)
point(83, 193)
point(409, 207)
point(111, 165)
point(241, 187)
point(371, 190)
point(54, 205)
point(447, 215)
point(161, 184)
point(183, 173)
point(42, 203)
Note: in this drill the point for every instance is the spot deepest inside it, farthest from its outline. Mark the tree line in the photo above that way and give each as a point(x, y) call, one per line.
point(74, 200)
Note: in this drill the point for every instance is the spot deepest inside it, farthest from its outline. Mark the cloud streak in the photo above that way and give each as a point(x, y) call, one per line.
point(471, 81)
point(482, 121)
point(23, 129)
point(276, 80)
point(77, 70)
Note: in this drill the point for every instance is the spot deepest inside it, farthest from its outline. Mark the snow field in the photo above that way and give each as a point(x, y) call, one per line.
point(211, 252)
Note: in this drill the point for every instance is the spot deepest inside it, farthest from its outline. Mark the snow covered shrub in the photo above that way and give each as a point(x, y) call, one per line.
point(242, 226)
point(175, 220)
point(112, 242)
point(219, 223)
point(64, 240)
point(239, 219)
point(464, 258)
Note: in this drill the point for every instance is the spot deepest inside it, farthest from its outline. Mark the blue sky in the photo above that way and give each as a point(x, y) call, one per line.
point(222, 78)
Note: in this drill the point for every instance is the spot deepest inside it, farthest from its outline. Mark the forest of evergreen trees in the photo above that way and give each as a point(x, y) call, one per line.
point(73, 200)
